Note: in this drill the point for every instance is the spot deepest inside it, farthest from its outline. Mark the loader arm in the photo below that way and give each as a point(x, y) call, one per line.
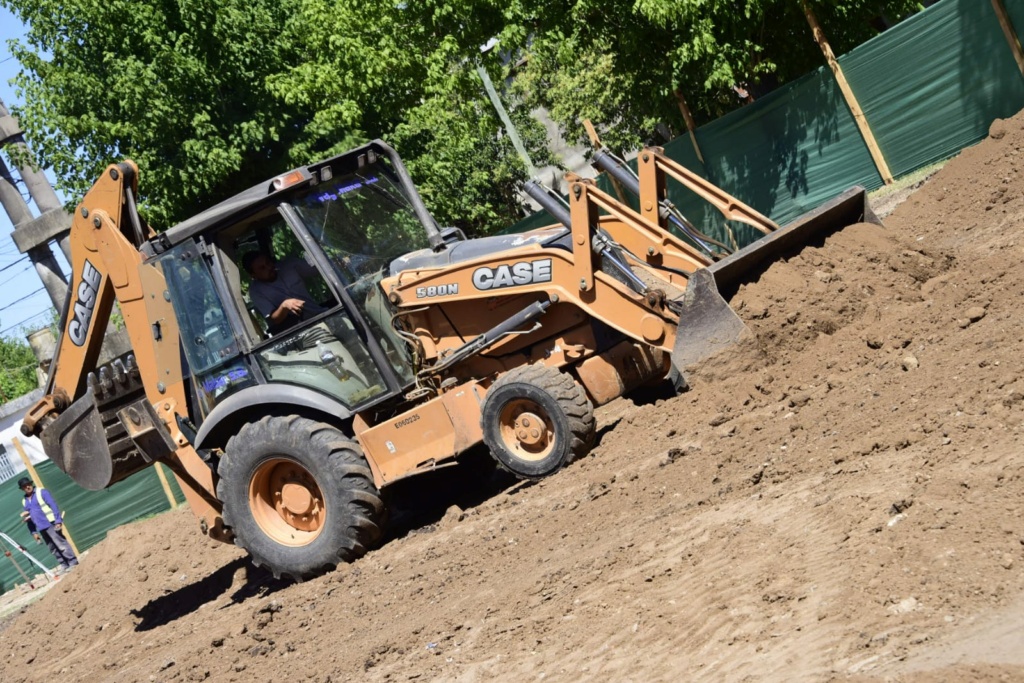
point(137, 400)
point(624, 268)
point(552, 273)
point(653, 167)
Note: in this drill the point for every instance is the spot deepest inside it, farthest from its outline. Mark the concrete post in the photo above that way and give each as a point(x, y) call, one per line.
point(10, 197)
point(32, 235)
point(42, 258)
point(50, 274)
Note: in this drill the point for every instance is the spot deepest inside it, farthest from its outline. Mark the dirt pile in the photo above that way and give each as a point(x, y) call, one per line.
point(840, 497)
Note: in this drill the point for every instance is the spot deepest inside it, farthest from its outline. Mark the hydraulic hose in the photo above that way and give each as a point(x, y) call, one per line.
point(617, 169)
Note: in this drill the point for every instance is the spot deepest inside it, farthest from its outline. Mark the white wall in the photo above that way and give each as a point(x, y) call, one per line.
point(11, 415)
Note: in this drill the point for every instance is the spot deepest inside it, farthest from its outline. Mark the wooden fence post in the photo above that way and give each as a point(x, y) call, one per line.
point(1010, 33)
point(166, 486)
point(851, 100)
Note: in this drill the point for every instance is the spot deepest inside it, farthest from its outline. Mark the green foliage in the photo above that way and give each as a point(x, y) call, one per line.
point(407, 73)
point(213, 96)
point(177, 86)
point(17, 369)
point(624, 65)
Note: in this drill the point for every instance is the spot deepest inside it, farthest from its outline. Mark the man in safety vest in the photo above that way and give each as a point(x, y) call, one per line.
point(45, 523)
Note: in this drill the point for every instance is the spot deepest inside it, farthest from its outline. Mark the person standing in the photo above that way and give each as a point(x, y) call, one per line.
point(45, 522)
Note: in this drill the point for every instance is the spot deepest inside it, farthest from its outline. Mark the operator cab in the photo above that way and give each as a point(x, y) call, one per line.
point(325, 235)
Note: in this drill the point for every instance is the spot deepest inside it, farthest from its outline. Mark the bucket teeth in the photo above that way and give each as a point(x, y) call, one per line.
point(132, 366)
point(105, 380)
point(119, 372)
point(93, 383)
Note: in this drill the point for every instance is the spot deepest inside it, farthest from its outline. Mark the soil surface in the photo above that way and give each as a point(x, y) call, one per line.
point(841, 497)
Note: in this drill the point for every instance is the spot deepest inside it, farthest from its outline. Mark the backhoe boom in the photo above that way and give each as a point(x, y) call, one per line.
point(132, 405)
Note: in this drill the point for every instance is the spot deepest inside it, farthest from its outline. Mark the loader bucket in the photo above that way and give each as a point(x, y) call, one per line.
point(707, 324)
point(78, 443)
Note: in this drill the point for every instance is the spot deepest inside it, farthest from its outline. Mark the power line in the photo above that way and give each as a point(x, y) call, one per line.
point(23, 270)
point(27, 296)
point(13, 263)
point(30, 294)
point(19, 324)
point(11, 371)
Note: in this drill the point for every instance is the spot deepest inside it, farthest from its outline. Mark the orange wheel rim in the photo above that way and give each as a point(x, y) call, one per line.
point(526, 430)
point(286, 502)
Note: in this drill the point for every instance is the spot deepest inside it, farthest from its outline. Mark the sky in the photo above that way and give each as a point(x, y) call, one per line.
point(23, 302)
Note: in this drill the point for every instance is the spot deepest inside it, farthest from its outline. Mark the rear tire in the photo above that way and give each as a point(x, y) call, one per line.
point(299, 496)
point(536, 420)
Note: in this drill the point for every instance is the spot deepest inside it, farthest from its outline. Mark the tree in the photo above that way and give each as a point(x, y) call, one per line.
point(213, 96)
point(622, 64)
point(407, 72)
point(177, 86)
point(18, 374)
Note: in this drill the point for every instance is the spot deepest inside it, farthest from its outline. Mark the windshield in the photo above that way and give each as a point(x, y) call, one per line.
point(363, 221)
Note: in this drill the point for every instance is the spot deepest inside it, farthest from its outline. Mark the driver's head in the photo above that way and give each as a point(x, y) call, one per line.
point(260, 266)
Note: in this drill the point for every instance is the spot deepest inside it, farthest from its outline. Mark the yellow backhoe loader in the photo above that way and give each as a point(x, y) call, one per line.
point(414, 344)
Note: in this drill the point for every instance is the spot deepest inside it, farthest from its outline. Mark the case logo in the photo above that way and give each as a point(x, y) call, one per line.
point(522, 273)
point(78, 328)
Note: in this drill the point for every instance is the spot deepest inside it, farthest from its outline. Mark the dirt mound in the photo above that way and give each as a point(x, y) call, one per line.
point(842, 497)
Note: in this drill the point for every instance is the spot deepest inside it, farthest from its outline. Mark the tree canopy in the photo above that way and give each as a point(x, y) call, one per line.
point(626, 65)
point(213, 96)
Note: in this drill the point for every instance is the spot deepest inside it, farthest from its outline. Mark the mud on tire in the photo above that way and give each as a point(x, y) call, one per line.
point(299, 496)
point(537, 419)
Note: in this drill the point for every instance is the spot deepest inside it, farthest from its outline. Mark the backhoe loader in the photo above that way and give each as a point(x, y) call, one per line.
point(417, 344)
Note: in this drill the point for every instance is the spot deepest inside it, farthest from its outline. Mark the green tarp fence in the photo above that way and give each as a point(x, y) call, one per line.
point(788, 152)
point(929, 87)
point(89, 514)
point(934, 83)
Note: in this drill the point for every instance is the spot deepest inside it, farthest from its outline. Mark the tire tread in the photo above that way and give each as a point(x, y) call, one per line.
point(570, 396)
point(364, 508)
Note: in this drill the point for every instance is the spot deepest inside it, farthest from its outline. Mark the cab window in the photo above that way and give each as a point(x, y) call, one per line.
point(207, 339)
point(305, 336)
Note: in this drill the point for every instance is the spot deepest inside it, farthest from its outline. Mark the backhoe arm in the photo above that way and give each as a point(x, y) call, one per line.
point(90, 297)
point(102, 424)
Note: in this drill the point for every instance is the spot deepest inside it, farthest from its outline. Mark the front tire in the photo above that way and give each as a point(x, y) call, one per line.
point(299, 496)
point(536, 419)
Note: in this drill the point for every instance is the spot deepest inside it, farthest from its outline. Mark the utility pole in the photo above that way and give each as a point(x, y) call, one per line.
point(33, 234)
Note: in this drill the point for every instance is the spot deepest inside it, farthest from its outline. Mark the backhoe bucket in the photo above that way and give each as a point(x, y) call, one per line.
point(707, 324)
point(90, 446)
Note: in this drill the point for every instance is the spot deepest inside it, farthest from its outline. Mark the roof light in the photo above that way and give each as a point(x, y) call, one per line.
point(288, 179)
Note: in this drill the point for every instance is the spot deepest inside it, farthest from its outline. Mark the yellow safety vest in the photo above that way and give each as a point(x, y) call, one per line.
point(47, 510)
